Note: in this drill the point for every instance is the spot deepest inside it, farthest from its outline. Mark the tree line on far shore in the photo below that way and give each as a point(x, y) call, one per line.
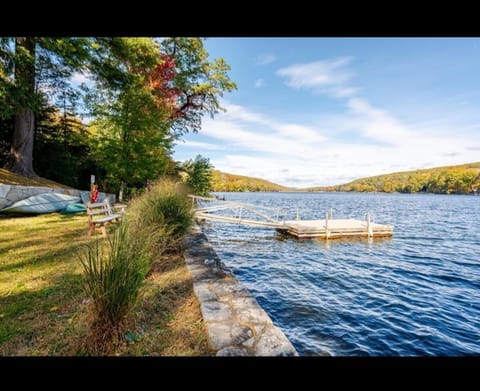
point(460, 179)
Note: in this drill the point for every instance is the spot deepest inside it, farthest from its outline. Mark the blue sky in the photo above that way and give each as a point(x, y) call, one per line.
point(324, 111)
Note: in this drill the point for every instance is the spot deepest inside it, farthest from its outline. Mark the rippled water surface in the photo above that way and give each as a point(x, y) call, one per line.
point(417, 293)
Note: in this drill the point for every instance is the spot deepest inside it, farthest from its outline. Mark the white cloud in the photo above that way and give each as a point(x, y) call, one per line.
point(265, 58)
point(363, 140)
point(298, 155)
point(202, 145)
point(325, 76)
point(259, 83)
point(377, 124)
point(251, 131)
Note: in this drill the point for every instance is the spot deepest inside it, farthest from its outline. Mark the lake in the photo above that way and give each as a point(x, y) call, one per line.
point(415, 294)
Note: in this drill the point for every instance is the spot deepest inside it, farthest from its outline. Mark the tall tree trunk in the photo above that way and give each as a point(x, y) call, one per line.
point(21, 150)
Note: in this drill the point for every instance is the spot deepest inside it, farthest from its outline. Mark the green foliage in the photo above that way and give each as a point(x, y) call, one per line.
point(53, 60)
point(144, 94)
point(61, 150)
point(113, 278)
point(163, 212)
point(461, 179)
point(169, 87)
point(222, 181)
point(155, 222)
point(199, 175)
point(200, 82)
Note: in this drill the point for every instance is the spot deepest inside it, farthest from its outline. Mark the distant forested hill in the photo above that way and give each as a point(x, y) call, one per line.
point(223, 181)
point(461, 179)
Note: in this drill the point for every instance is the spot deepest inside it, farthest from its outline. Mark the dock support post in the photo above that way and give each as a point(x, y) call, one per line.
point(369, 226)
point(298, 218)
point(331, 213)
point(327, 231)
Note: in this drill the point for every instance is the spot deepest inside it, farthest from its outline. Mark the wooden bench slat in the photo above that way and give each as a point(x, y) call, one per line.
point(101, 208)
point(96, 204)
point(95, 212)
point(107, 218)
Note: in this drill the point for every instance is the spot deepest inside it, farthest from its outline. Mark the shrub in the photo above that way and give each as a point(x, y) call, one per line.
point(155, 222)
point(112, 280)
point(164, 212)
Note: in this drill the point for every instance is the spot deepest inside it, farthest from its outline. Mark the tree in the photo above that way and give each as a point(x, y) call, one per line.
point(169, 87)
point(133, 141)
point(198, 82)
point(199, 175)
point(28, 65)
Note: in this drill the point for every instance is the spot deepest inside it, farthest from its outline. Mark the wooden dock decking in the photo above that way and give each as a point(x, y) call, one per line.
point(335, 228)
point(328, 228)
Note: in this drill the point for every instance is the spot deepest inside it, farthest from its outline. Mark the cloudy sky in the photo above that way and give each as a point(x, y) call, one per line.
point(324, 111)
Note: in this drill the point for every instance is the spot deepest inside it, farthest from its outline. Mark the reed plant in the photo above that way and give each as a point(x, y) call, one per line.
point(113, 277)
point(155, 223)
point(164, 213)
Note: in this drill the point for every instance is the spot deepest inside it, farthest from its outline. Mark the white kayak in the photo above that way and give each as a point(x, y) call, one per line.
point(42, 203)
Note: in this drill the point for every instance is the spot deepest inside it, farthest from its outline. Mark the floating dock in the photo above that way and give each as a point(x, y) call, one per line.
point(335, 228)
point(328, 228)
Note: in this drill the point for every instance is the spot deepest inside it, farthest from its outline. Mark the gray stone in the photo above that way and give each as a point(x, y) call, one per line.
point(274, 343)
point(223, 288)
point(233, 352)
point(199, 274)
point(203, 292)
point(214, 311)
point(219, 335)
point(249, 343)
point(209, 262)
point(259, 328)
point(253, 315)
point(240, 334)
point(235, 322)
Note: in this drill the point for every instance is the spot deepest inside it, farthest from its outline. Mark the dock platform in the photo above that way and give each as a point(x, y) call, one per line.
point(335, 228)
point(328, 228)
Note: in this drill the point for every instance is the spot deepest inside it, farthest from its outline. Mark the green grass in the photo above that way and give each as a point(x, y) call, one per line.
point(44, 311)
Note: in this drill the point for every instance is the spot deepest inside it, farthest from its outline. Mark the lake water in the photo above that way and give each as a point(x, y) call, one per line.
point(417, 293)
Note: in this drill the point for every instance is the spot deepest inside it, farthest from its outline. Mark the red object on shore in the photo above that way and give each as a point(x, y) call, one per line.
point(94, 194)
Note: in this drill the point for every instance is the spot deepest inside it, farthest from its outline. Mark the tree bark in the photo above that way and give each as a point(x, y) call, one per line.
point(21, 150)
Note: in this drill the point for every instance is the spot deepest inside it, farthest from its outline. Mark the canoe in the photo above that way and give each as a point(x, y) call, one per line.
point(41, 203)
point(73, 208)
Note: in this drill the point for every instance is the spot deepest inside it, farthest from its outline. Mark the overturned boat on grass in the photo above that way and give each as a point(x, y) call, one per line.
point(42, 203)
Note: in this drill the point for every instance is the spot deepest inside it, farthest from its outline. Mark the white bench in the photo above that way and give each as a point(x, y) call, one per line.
point(107, 216)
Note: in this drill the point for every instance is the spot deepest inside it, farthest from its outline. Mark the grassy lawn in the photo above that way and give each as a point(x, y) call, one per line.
point(43, 310)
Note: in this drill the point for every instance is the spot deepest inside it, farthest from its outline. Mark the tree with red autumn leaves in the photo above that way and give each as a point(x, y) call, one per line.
point(171, 84)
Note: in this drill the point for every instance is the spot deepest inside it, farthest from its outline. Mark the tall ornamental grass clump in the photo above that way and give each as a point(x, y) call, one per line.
point(163, 213)
point(113, 277)
point(155, 222)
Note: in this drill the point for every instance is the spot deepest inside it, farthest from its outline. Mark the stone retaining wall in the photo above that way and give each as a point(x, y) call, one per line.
point(236, 324)
point(13, 193)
